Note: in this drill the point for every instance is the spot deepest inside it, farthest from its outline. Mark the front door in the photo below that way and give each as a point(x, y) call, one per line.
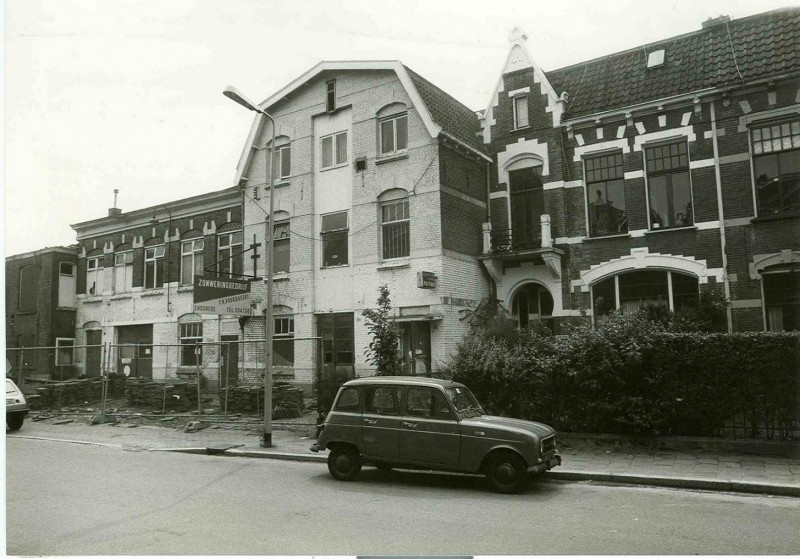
point(527, 206)
point(429, 430)
point(338, 355)
point(135, 351)
point(93, 352)
point(415, 346)
point(380, 421)
point(230, 360)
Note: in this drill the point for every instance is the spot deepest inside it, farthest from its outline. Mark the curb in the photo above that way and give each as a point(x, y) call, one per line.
point(563, 475)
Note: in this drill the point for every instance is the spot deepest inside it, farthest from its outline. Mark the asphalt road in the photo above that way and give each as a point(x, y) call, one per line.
point(68, 499)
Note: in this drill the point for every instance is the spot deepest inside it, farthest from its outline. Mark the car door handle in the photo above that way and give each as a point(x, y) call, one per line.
point(370, 421)
point(409, 424)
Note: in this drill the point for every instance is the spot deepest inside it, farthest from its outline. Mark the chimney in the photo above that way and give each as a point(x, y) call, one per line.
point(115, 210)
point(714, 21)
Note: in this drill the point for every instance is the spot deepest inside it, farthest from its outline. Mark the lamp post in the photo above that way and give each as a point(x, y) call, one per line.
point(266, 436)
point(155, 221)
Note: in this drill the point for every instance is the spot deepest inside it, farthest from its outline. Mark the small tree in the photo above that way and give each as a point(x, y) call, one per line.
point(383, 351)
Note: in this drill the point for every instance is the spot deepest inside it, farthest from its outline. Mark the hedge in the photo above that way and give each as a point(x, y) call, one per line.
point(632, 376)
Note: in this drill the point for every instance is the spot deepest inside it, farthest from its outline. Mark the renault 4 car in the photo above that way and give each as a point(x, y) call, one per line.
point(16, 406)
point(433, 424)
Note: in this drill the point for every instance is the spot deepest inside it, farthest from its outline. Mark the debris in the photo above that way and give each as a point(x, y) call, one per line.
point(167, 419)
point(62, 422)
point(102, 418)
point(194, 426)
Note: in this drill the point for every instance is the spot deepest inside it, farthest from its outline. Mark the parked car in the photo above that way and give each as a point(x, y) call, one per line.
point(16, 406)
point(415, 422)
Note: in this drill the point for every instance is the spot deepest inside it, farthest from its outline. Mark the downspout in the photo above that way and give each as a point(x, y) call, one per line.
point(723, 245)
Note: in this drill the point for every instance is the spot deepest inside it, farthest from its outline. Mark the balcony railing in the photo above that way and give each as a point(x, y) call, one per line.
point(517, 239)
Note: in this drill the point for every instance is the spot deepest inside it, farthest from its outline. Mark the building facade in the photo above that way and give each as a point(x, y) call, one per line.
point(40, 312)
point(380, 178)
point(651, 176)
point(135, 274)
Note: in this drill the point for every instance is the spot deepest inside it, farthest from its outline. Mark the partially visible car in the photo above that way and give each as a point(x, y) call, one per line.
point(16, 406)
point(415, 422)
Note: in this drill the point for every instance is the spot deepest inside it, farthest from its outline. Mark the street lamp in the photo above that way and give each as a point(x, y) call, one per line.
point(266, 436)
point(154, 221)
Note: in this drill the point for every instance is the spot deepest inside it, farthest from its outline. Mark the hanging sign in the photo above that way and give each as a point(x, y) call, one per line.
point(216, 295)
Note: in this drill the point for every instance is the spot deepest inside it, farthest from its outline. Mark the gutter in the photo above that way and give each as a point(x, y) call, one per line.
point(723, 245)
point(467, 146)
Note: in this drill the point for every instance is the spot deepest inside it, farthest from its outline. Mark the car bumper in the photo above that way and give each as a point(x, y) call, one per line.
point(17, 408)
point(548, 464)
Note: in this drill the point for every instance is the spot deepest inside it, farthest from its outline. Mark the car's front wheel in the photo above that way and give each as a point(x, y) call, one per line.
point(14, 421)
point(344, 463)
point(506, 472)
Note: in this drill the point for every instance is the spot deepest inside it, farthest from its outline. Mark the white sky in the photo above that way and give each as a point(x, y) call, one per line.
point(127, 94)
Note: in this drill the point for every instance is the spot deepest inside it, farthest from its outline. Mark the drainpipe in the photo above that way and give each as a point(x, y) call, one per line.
point(723, 245)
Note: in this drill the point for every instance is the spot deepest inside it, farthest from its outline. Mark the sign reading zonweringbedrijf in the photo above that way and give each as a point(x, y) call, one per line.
point(216, 295)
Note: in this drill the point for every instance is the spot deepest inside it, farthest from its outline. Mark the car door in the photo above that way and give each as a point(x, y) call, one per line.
point(429, 430)
point(380, 421)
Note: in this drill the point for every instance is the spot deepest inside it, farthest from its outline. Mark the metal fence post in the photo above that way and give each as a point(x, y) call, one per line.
point(21, 360)
point(197, 351)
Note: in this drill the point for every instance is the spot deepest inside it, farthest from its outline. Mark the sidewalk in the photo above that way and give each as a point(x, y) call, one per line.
point(582, 461)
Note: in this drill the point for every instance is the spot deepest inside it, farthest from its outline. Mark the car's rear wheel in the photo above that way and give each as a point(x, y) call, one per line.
point(344, 463)
point(14, 421)
point(506, 472)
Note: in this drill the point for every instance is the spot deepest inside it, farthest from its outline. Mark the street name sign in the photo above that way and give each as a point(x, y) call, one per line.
point(215, 295)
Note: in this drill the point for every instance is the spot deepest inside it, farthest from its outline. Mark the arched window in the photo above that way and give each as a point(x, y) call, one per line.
point(532, 303)
point(527, 201)
point(631, 291)
point(392, 129)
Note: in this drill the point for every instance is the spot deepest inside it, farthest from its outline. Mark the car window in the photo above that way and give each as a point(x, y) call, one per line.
point(10, 388)
point(348, 400)
point(384, 400)
point(427, 402)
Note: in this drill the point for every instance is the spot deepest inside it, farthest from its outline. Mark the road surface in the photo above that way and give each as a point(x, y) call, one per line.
point(69, 499)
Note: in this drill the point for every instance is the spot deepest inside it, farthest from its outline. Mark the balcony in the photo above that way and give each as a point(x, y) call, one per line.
point(519, 245)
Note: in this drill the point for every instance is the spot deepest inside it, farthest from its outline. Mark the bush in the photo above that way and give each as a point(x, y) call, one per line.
point(633, 375)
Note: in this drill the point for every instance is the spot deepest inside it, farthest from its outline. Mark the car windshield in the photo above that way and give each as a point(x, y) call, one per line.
point(10, 388)
point(463, 400)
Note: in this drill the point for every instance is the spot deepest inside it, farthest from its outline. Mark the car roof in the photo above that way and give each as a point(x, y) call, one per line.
point(404, 380)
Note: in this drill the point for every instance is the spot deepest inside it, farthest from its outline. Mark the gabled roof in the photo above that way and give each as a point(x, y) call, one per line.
point(765, 45)
point(440, 112)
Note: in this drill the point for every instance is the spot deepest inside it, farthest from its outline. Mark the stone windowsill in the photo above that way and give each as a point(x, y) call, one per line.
point(122, 296)
point(185, 288)
point(92, 300)
point(152, 292)
point(665, 229)
point(392, 157)
point(601, 238)
point(281, 276)
point(394, 265)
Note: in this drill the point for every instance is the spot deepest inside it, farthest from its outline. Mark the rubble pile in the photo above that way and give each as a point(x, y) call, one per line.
point(287, 402)
point(172, 396)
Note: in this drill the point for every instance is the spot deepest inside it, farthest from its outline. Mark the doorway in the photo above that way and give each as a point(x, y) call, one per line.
point(527, 206)
point(94, 339)
point(135, 351)
point(415, 346)
point(230, 360)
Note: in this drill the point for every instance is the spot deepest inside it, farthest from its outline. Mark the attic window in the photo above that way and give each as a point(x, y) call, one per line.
point(330, 102)
point(655, 58)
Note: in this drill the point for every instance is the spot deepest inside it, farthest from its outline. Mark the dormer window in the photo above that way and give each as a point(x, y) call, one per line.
point(521, 111)
point(330, 103)
point(655, 58)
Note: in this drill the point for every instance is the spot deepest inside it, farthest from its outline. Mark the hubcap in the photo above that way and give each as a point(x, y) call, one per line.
point(505, 472)
point(343, 463)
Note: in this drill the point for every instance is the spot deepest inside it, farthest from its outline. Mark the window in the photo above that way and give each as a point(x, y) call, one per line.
point(64, 351)
point(668, 186)
point(283, 341)
point(348, 401)
point(394, 134)
point(123, 272)
point(28, 288)
point(334, 149)
point(94, 276)
point(282, 163)
point(605, 192)
point(191, 260)
point(782, 300)
point(395, 233)
point(154, 267)
point(281, 240)
point(427, 403)
point(633, 291)
point(330, 98)
point(521, 111)
point(229, 254)
point(384, 400)
point(66, 285)
point(532, 303)
point(776, 167)
point(334, 239)
point(190, 335)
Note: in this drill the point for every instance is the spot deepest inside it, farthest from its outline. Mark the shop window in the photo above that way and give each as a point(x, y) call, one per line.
point(776, 167)
point(229, 254)
point(333, 150)
point(334, 239)
point(190, 335)
point(605, 192)
point(281, 241)
point(521, 111)
point(123, 272)
point(668, 185)
point(394, 134)
point(191, 260)
point(28, 288)
point(782, 300)
point(154, 267)
point(395, 229)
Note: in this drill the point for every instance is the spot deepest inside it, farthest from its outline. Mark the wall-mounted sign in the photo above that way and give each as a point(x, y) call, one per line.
point(216, 295)
point(426, 280)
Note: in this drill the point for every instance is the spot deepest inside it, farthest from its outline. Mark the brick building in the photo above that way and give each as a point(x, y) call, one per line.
point(650, 176)
point(380, 178)
point(40, 311)
point(135, 278)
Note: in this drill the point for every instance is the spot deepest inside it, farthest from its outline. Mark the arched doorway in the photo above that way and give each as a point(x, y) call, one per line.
point(532, 304)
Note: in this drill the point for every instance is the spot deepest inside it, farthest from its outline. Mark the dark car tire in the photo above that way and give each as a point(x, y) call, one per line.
point(506, 472)
point(14, 421)
point(383, 466)
point(344, 463)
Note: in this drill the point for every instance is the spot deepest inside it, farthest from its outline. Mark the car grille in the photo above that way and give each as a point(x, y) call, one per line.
point(549, 444)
